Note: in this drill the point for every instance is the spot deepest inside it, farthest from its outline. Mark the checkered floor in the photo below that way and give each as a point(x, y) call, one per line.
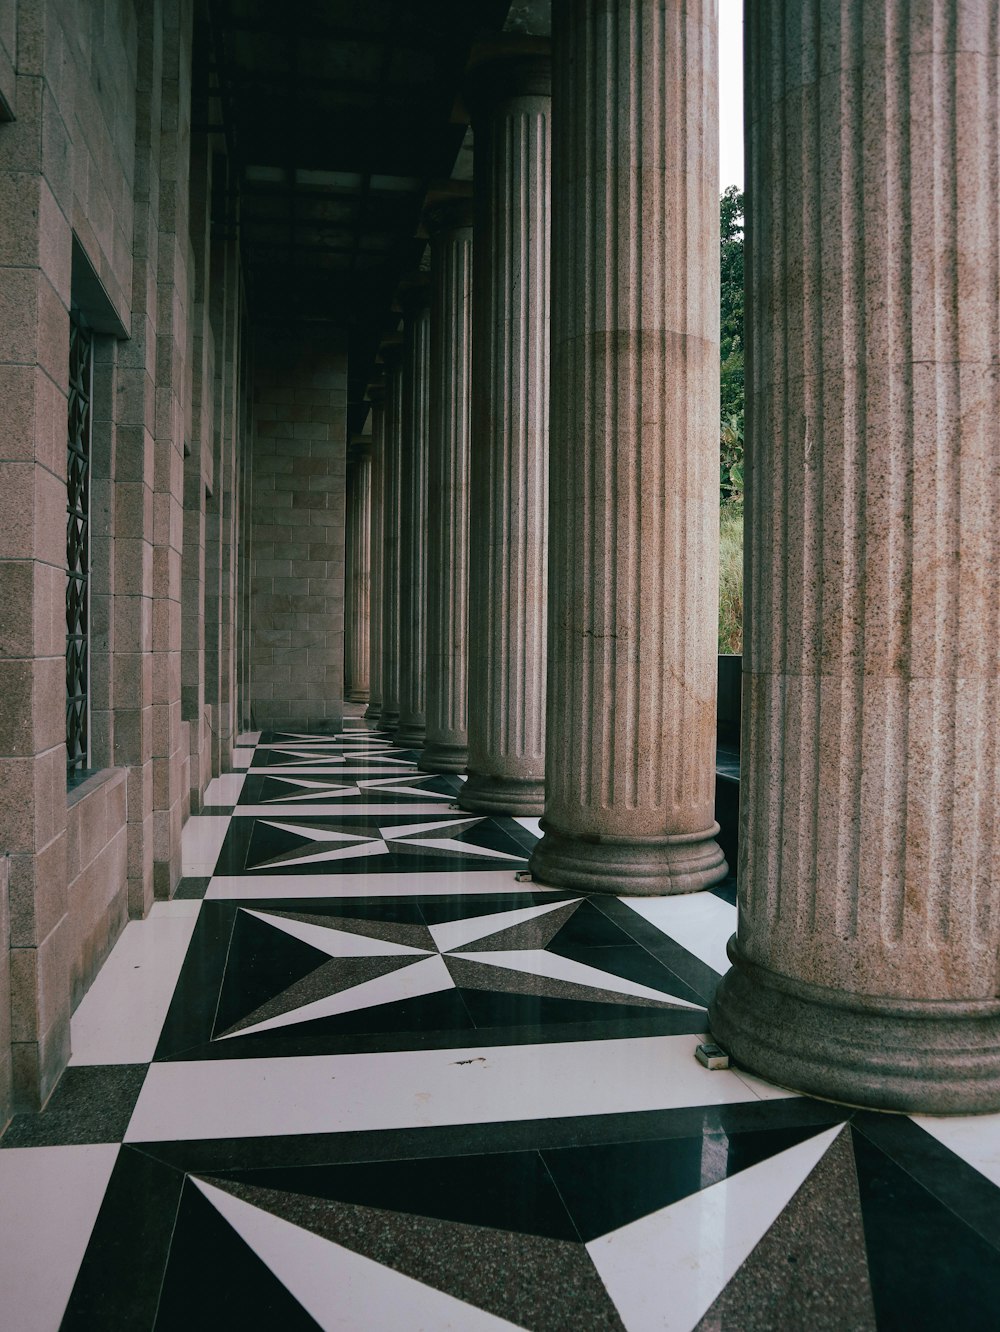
point(361, 1073)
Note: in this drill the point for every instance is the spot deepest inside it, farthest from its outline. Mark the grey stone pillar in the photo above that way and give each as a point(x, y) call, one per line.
point(865, 960)
point(509, 98)
point(634, 506)
point(376, 393)
point(391, 479)
point(357, 575)
point(447, 745)
point(413, 517)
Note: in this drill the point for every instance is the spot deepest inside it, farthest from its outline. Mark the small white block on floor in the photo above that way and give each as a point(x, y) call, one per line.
point(49, 1200)
point(201, 842)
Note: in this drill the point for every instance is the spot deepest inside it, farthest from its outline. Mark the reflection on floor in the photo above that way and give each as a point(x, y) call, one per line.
point(361, 1073)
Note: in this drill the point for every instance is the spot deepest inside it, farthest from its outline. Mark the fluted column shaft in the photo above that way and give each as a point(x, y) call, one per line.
point(633, 514)
point(374, 710)
point(447, 744)
point(357, 574)
point(509, 102)
point(865, 961)
point(391, 491)
point(413, 524)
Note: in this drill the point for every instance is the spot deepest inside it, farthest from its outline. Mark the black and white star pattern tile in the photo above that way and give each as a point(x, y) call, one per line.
point(429, 1094)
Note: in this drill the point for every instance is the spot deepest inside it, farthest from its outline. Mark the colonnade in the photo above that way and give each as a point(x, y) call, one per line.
point(865, 963)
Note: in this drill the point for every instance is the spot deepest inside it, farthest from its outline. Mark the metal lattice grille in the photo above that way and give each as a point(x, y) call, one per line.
point(78, 551)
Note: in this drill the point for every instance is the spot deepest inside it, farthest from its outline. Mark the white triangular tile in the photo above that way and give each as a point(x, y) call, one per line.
point(452, 847)
point(665, 1270)
point(454, 933)
point(393, 832)
point(335, 942)
point(538, 962)
point(975, 1138)
point(426, 977)
point(342, 1290)
point(317, 834)
point(352, 852)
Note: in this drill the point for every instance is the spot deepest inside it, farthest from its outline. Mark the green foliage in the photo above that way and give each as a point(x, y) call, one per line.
point(731, 577)
point(731, 350)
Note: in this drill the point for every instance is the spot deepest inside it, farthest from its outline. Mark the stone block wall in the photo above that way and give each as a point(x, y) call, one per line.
point(6, 1071)
point(67, 164)
point(96, 217)
point(297, 532)
point(95, 871)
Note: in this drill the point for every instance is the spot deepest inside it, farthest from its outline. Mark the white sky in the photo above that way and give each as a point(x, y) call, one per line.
point(730, 93)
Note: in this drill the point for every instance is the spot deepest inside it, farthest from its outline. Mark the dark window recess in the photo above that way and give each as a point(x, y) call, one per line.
point(81, 360)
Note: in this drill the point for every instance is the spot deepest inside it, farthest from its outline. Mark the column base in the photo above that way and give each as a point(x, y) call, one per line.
point(516, 796)
point(356, 696)
point(442, 757)
point(918, 1056)
point(389, 721)
point(373, 712)
point(411, 735)
point(651, 867)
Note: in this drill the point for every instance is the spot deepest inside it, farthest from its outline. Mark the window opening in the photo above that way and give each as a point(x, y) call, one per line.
point(81, 379)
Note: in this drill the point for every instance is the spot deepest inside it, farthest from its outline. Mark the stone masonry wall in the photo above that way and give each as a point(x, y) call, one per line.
point(67, 165)
point(297, 530)
point(95, 184)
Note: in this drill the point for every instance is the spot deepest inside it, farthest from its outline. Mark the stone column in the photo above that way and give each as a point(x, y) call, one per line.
point(447, 749)
point(413, 517)
point(509, 98)
point(391, 476)
point(634, 505)
point(865, 960)
point(357, 570)
point(376, 393)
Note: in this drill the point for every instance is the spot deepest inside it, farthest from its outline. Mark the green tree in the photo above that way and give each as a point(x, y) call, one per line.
point(731, 350)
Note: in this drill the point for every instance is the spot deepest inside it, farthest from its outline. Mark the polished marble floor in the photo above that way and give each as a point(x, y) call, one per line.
point(362, 1073)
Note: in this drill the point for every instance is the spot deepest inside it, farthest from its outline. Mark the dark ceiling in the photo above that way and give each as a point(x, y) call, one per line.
point(338, 115)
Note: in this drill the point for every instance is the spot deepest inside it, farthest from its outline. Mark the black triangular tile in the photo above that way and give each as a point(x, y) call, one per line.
point(118, 1284)
point(262, 963)
point(608, 1186)
point(928, 1269)
point(508, 1191)
point(214, 1280)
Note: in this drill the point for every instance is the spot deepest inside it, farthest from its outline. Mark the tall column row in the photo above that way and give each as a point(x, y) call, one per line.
point(413, 516)
point(357, 573)
point(509, 97)
point(450, 369)
point(865, 961)
point(391, 492)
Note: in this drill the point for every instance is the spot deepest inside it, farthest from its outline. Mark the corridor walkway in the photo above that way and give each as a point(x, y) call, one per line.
point(360, 1074)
